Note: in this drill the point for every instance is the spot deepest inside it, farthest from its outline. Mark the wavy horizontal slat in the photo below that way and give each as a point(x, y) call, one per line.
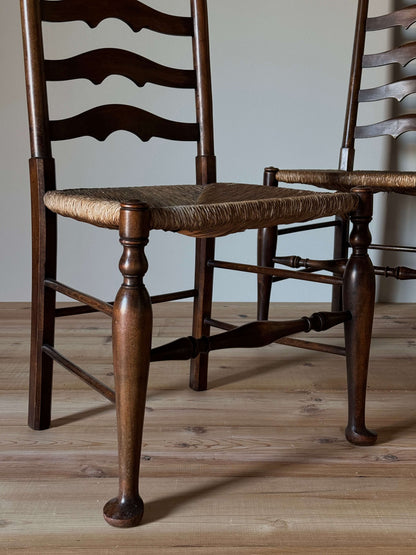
point(134, 13)
point(100, 122)
point(393, 127)
point(404, 18)
point(99, 64)
point(398, 90)
point(401, 55)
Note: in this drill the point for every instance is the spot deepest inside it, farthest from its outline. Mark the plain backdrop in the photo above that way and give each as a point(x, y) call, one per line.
point(280, 74)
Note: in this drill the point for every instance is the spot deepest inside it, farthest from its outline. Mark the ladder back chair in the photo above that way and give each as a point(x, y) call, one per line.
point(346, 178)
point(203, 210)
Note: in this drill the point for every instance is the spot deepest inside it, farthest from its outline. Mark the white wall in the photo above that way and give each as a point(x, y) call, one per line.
point(280, 72)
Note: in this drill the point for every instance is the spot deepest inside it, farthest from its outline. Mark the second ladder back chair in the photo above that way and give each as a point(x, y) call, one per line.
point(346, 178)
point(203, 210)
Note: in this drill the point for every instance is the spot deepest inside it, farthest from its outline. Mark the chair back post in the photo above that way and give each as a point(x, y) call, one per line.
point(346, 160)
point(35, 79)
point(44, 232)
point(205, 160)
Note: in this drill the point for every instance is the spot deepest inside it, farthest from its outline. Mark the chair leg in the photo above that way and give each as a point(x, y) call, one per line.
point(132, 332)
point(41, 366)
point(43, 302)
point(205, 249)
point(266, 250)
point(359, 294)
point(340, 251)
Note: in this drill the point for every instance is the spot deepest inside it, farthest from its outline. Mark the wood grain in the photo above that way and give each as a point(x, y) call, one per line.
point(404, 17)
point(401, 55)
point(255, 465)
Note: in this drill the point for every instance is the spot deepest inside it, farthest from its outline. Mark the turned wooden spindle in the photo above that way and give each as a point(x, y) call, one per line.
point(254, 334)
point(132, 327)
point(358, 295)
point(335, 266)
point(398, 272)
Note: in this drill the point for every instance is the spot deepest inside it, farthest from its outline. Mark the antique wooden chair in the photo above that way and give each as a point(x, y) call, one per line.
point(345, 178)
point(203, 210)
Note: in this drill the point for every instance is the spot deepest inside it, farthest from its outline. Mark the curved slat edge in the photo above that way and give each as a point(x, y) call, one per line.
point(403, 18)
point(135, 14)
point(397, 90)
point(100, 122)
point(401, 55)
point(99, 64)
point(393, 127)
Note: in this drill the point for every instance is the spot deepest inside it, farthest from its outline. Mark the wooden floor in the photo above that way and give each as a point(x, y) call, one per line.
point(255, 465)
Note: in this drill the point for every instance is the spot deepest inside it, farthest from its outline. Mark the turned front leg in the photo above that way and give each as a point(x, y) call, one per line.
point(132, 329)
point(359, 294)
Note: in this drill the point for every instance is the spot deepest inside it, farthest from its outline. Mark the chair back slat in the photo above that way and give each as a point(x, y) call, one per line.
point(401, 55)
point(134, 13)
point(100, 122)
point(99, 64)
point(403, 18)
point(397, 90)
point(96, 65)
point(393, 127)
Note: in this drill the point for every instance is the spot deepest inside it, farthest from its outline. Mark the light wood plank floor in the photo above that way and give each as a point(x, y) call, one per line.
point(255, 465)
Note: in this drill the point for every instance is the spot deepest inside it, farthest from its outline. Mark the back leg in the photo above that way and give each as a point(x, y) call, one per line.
point(43, 301)
point(266, 250)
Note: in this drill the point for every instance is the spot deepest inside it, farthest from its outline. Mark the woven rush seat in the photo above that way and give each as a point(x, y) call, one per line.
point(202, 211)
point(339, 180)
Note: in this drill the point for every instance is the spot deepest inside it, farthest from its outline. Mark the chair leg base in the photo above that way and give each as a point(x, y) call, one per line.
point(38, 427)
point(198, 379)
point(124, 514)
point(361, 437)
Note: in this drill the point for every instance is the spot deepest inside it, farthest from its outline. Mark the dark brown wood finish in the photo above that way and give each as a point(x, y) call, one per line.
point(402, 86)
point(107, 308)
point(359, 293)
point(135, 14)
point(393, 127)
point(99, 64)
point(42, 179)
point(95, 384)
point(337, 266)
point(206, 172)
point(100, 122)
point(266, 250)
point(347, 152)
point(404, 17)
point(79, 296)
point(254, 334)
point(397, 90)
point(346, 161)
point(44, 245)
point(132, 337)
point(401, 55)
point(35, 81)
point(290, 341)
point(131, 312)
point(252, 269)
